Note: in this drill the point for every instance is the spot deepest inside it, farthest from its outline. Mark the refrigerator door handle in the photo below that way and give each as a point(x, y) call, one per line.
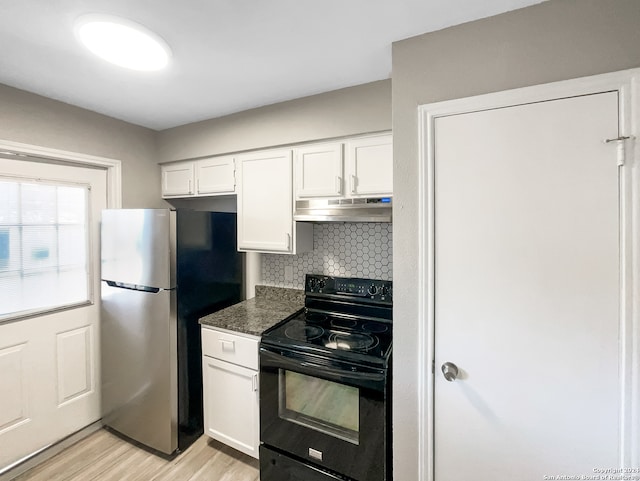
point(133, 287)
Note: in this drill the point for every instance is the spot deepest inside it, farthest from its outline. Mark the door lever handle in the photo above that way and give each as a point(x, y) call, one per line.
point(450, 371)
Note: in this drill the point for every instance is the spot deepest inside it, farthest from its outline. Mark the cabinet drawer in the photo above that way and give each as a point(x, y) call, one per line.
point(229, 347)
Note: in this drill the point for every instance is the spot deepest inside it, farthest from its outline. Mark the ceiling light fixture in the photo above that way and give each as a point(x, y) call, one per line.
point(122, 42)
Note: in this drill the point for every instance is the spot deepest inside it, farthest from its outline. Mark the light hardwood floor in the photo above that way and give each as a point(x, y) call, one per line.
point(103, 456)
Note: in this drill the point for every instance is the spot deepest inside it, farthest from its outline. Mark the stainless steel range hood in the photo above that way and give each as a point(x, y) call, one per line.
point(372, 209)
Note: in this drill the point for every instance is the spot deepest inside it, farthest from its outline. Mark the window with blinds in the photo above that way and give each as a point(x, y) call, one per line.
point(44, 254)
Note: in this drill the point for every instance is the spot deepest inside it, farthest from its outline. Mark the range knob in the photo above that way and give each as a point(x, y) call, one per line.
point(313, 282)
point(386, 290)
point(321, 283)
point(373, 290)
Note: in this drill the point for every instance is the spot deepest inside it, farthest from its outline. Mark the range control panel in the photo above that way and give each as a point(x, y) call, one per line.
point(350, 287)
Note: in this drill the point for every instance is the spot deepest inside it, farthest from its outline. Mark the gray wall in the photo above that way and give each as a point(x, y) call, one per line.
point(354, 110)
point(36, 120)
point(555, 40)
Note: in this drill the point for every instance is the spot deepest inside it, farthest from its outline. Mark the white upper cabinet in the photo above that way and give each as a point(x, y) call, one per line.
point(216, 175)
point(177, 179)
point(319, 170)
point(369, 166)
point(265, 204)
point(355, 167)
point(204, 177)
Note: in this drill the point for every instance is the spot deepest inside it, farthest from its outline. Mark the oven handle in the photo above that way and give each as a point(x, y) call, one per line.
point(350, 374)
point(353, 375)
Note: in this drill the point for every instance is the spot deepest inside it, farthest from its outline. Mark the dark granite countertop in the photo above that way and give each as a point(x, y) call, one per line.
point(256, 315)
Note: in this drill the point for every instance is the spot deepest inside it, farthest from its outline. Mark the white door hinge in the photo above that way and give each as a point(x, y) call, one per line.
point(620, 146)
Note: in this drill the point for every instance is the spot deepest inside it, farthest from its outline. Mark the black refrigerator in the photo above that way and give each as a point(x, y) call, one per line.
point(161, 270)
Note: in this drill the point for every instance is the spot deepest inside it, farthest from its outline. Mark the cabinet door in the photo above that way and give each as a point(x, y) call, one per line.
point(319, 170)
point(265, 201)
point(177, 179)
point(216, 175)
point(370, 165)
point(231, 405)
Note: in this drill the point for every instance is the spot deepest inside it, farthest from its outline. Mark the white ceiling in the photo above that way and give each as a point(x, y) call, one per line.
point(228, 55)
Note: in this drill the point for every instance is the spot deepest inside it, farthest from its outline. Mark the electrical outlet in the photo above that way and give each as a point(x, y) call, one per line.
point(288, 273)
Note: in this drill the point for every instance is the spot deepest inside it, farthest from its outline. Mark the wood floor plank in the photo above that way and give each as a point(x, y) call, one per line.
point(103, 456)
point(226, 462)
point(185, 466)
point(134, 464)
point(72, 460)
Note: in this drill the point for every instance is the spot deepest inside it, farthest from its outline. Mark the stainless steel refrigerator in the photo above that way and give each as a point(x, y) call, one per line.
point(161, 271)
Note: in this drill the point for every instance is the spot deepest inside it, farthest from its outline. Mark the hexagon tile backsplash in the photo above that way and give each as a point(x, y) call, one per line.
point(346, 250)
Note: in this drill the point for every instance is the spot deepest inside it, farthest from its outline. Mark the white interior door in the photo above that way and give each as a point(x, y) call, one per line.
point(527, 291)
point(49, 372)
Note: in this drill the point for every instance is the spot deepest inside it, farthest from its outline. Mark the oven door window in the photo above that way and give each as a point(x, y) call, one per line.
point(326, 406)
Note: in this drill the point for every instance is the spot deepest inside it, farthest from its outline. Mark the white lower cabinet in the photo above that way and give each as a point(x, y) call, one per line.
point(230, 389)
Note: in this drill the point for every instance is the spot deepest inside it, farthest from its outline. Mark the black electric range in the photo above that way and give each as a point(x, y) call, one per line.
point(325, 385)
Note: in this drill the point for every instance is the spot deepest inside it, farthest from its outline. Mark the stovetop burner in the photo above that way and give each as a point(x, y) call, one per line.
point(334, 336)
point(351, 341)
point(344, 318)
point(343, 323)
point(375, 327)
point(301, 332)
point(315, 317)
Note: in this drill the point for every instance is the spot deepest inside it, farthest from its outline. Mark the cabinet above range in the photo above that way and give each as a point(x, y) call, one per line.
point(353, 167)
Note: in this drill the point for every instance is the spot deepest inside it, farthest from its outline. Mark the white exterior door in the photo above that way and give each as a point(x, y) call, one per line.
point(49, 371)
point(527, 269)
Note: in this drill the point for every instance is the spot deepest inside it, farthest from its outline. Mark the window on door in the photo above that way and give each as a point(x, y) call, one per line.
point(44, 246)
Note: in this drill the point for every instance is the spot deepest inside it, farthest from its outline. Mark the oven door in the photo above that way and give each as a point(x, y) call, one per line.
point(328, 413)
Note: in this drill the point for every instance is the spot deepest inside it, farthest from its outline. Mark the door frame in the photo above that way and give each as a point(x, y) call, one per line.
point(112, 166)
point(627, 85)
